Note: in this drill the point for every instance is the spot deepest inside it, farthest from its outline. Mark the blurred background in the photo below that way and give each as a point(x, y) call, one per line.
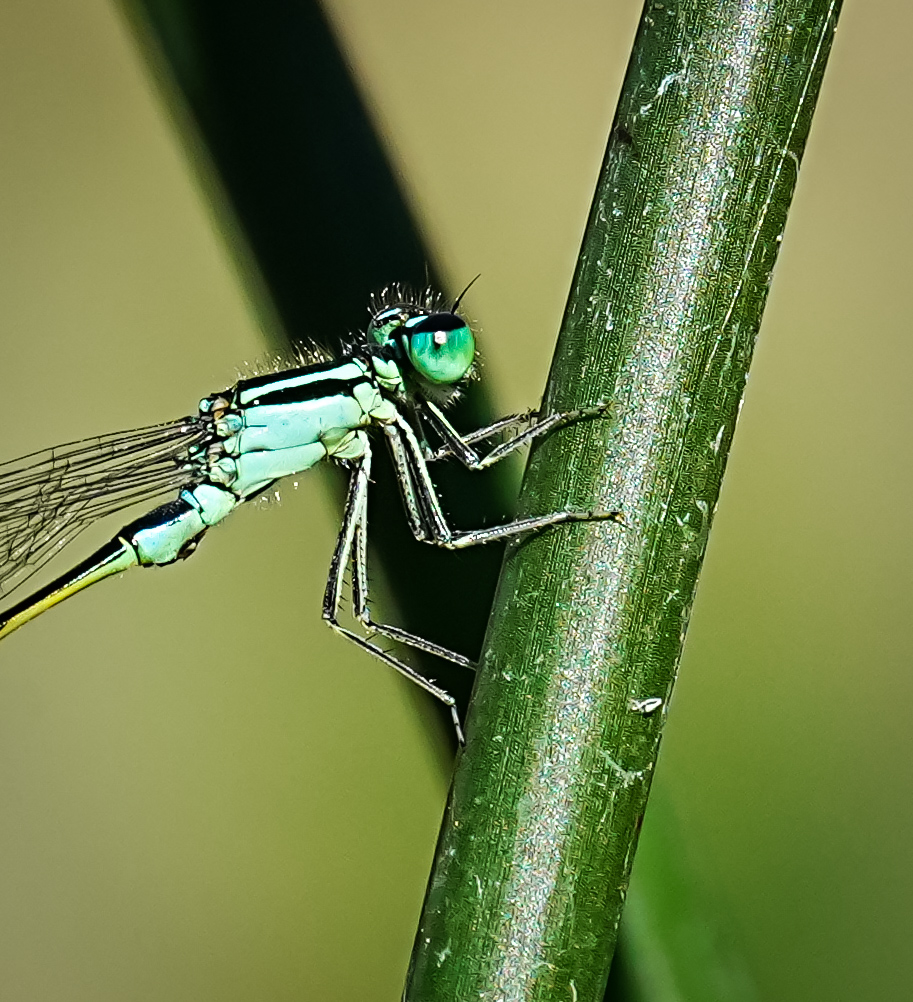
point(205, 795)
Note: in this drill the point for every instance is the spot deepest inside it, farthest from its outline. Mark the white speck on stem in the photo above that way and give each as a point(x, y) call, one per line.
point(715, 444)
point(664, 85)
point(627, 776)
point(645, 706)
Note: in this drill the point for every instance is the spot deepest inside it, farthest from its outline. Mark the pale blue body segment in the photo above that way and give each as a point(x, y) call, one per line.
point(271, 430)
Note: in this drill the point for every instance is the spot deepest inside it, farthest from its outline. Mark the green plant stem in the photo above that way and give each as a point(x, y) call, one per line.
point(537, 843)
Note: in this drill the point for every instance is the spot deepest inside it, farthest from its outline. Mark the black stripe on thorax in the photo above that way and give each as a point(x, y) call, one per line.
point(310, 391)
point(256, 382)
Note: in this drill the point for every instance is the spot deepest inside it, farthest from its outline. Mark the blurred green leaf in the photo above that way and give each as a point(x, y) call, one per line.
point(674, 944)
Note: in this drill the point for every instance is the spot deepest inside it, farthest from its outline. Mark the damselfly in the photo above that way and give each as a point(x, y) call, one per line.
point(396, 377)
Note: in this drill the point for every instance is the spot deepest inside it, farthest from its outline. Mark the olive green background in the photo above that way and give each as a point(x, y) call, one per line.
point(203, 794)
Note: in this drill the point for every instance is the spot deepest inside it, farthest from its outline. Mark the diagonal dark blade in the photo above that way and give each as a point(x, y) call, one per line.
point(318, 203)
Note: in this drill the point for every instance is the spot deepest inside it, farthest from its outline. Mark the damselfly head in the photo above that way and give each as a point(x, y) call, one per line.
point(438, 344)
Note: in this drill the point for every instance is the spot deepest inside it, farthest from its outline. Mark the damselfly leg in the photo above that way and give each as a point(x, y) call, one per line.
point(351, 547)
point(460, 446)
point(428, 524)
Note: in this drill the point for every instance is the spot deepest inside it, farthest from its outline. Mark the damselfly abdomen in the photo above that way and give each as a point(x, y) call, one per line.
point(395, 379)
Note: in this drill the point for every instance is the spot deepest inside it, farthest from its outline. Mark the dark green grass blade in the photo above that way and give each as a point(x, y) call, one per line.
point(537, 844)
point(314, 197)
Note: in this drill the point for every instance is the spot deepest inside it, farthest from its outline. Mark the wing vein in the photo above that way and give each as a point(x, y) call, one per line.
point(48, 497)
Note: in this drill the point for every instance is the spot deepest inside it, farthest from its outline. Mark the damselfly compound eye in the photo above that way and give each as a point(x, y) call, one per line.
point(440, 346)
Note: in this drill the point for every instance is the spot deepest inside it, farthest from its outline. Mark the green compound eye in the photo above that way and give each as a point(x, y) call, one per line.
point(441, 347)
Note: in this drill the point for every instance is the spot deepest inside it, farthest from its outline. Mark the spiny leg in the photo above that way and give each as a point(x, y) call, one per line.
point(332, 594)
point(470, 438)
point(409, 673)
point(418, 520)
point(428, 524)
point(460, 446)
point(477, 537)
point(359, 559)
point(455, 443)
point(402, 438)
point(355, 515)
point(502, 424)
point(363, 614)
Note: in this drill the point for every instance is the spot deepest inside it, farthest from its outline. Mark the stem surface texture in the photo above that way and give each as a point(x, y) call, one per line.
point(589, 620)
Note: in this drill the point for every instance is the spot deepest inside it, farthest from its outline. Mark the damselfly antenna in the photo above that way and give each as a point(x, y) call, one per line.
point(459, 298)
